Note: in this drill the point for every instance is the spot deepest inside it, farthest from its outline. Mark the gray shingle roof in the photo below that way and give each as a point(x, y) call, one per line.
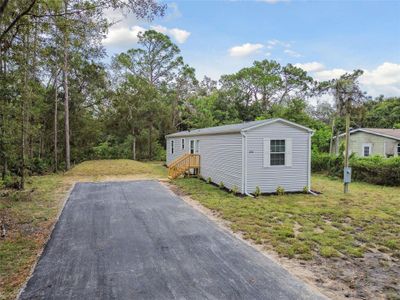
point(395, 133)
point(232, 128)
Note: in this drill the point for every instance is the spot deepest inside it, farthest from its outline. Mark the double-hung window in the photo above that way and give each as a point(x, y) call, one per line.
point(367, 150)
point(398, 149)
point(277, 152)
point(172, 147)
point(182, 144)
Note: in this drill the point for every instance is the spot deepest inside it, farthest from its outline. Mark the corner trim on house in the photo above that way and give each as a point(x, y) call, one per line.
point(309, 161)
point(244, 157)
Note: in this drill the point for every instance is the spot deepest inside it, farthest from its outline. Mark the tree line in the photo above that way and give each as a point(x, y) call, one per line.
point(60, 104)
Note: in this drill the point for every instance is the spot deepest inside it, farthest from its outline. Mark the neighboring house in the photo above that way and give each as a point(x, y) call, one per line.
point(265, 154)
point(372, 141)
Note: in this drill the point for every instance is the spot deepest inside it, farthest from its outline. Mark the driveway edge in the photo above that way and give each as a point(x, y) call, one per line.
point(224, 226)
point(39, 255)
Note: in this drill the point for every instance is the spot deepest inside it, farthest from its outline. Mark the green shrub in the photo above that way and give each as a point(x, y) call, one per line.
point(221, 185)
point(235, 189)
point(373, 169)
point(209, 180)
point(39, 166)
point(376, 170)
point(305, 190)
point(257, 192)
point(280, 191)
point(11, 182)
point(333, 164)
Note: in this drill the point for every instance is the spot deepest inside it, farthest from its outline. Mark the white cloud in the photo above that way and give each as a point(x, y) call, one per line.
point(179, 35)
point(273, 43)
point(292, 53)
point(329, 74)
point(122, 35)
point(173, 11)
point(311, 66)
point(383, 80)
point(245, 50)
point(385, 74)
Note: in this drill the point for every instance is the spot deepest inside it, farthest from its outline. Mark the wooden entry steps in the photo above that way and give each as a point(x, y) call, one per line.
point(183, 164)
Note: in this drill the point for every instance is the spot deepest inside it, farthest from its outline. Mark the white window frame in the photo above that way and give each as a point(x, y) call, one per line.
point(172, 146)
point(287, 154)
point(182, 144)
point(282, 152)
point(369, 145)
point(192, 150)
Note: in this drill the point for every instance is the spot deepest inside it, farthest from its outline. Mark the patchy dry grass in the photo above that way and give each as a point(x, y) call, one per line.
point(334, 228)
point(29, 215)
point(103, 169)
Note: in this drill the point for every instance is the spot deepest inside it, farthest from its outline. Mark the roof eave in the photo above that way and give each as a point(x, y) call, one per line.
point(267, 122)
point(370, 132)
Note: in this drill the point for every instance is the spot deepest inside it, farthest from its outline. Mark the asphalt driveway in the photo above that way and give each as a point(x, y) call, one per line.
point(135, 240)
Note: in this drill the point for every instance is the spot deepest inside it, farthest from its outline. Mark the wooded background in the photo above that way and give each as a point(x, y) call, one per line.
point(60, 104)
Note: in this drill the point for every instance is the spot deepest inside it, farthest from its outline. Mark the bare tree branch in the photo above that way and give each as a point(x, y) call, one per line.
point(17, 18)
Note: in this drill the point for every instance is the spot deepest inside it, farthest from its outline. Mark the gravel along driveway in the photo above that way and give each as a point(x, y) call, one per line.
point(136, 240)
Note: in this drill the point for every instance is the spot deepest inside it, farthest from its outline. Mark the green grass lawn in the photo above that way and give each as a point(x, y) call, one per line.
point(301, 226)
point(352, 239)
point(329, 226)
point(30, 214)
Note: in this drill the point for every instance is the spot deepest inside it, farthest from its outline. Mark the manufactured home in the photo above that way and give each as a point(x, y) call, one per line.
point(266, 154)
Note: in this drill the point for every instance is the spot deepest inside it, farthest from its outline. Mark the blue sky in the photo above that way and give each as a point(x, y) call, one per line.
point(327, 38)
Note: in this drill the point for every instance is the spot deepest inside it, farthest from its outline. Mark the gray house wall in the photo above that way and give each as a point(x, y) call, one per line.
point(178, 151)
point(220, 157)
point(292, 178)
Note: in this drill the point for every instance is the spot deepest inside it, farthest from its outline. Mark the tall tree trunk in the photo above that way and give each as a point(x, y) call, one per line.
point(175, 102)
point(23, 128)
point(346, 153)
point(55, 126)
point(332, 135)
point(133, 144)
point(150, 142)
point(66, 96)
point(5, 168)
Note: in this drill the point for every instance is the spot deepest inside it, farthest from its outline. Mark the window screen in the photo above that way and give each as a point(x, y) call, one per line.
point(366, 150)
point(277, 153)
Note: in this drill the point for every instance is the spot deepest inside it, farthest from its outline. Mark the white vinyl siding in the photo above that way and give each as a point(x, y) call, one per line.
point(245, 160)
point(178, 151)
point(220, 157)
point(293, 176)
